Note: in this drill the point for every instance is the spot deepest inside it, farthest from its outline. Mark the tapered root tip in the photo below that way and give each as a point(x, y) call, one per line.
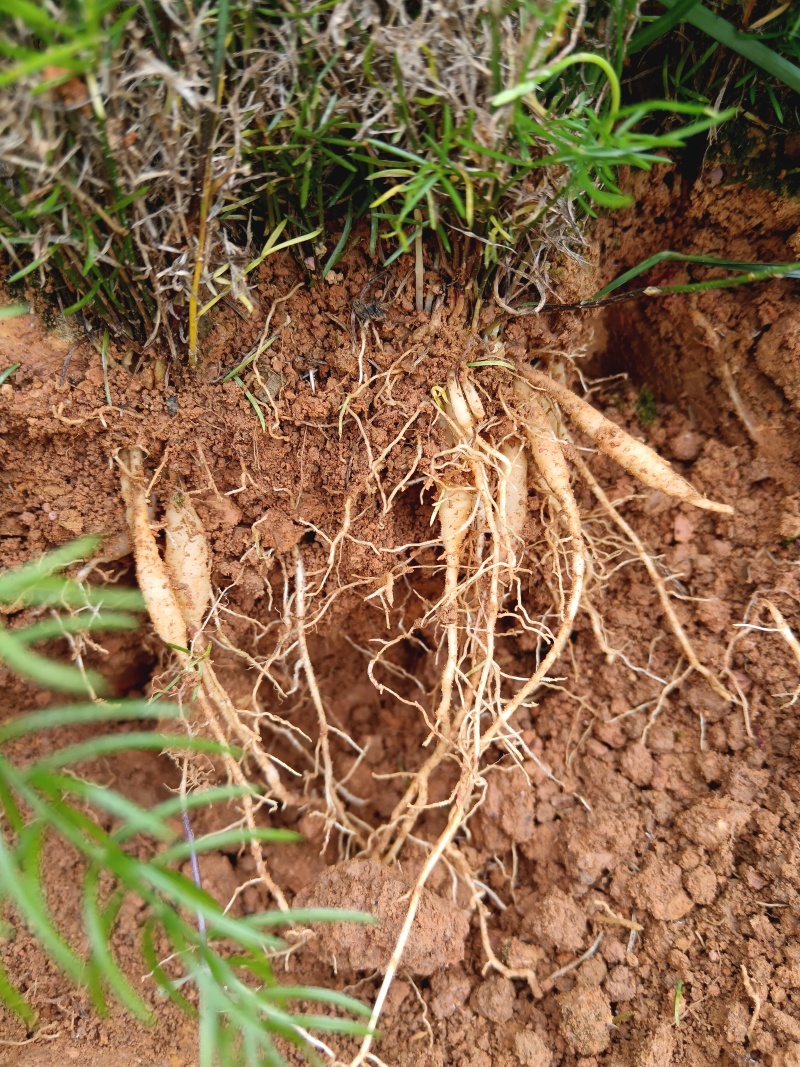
point(712, 505)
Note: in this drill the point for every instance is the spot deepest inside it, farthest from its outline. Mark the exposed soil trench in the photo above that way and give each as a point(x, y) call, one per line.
point(671, 827)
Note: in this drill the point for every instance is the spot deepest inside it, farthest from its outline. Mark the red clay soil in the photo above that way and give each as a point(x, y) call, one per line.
point(671, 841)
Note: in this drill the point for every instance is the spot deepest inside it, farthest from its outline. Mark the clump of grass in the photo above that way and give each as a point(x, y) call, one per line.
point(214, 965)
point(765, 53)
point(152, 153)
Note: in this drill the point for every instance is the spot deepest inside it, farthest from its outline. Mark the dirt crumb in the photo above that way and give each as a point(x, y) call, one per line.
point(778, 355)
point(658, 1048)
point(586, 1020)
point(510, 802)
point(701, 884)
point(557, 922)
point(278, 530)
point(658, 890)
point(531, 1050)
point(494, 999)
point(437, 937)
point(636, 763)
point(593, 972)
point(596, 843)
point(686, 446)
point(713, 823)
point(450, 992)
point(621, 984)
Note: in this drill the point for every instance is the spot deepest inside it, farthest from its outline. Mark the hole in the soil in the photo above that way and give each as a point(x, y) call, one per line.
point(309, 537)
point(714, 786)
point(691, 159)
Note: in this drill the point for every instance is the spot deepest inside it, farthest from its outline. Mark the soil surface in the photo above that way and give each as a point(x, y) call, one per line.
point(665, 844)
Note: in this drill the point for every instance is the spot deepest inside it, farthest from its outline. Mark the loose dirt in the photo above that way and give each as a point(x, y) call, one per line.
point(656, 839)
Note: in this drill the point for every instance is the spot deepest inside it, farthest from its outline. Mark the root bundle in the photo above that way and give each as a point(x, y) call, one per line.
point(506, 458)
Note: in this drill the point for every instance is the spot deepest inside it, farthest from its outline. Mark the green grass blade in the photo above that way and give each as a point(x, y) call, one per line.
point(284, 994)
point(304, 916)
point(14, 1001)
point(176, 887)
point(15, 582)
point(152, 959)
point(333, 259)
point(6, 374)
point(784, 269)
point(225, 840)
point(63, 55)
point(78, 714)
point(137, 820)
point(21, 877)
point(51, 629)
point(98, 747)
point(742, 43)
point(660, 27)
point(46, 672)
point(98, 929)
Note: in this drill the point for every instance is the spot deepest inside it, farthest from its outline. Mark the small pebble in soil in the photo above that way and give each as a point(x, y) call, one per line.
point(620, 985)
point(593, 972)
point(686, 446)
point(586, 1020)
point(636, 763)
point(657, 1049)
point(657, 888)
point(450, 991)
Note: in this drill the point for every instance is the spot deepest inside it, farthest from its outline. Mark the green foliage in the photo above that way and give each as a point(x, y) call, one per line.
point(739, 273)
point(216, 966)
point(770, 46)
point(155, 151)
point(646, 409)
point(39, 585)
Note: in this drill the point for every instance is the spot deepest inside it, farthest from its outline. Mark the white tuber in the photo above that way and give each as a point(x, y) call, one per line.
point(455, 517)
point(151, 571)
point(459, 407)
point(512, 496)
point(471, 395)
point(637, 458)
point(187, 558)
point(455, 513)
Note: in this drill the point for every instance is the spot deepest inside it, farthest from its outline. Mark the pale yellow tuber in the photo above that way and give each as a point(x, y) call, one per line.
point(455, 516)
point(151, 571)
point(187, 558)
point(633, 455)
point(512, 497)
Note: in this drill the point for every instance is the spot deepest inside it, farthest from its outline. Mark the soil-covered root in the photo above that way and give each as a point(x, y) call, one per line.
point(494, 448)
point(187, 558)
point(482, 500)
point(177, 594)
point(635, 457)
point(152, 574)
